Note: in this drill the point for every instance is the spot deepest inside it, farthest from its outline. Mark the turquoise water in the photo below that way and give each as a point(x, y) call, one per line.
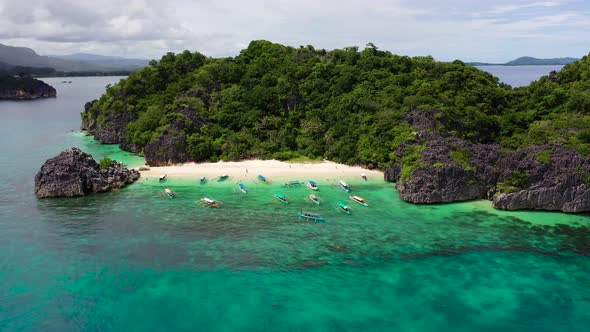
point(130, 260)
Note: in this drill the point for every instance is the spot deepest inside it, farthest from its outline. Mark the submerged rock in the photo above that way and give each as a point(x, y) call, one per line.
point(75, 173)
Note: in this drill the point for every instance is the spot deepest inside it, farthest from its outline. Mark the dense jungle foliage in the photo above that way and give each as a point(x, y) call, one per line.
point(346, 105)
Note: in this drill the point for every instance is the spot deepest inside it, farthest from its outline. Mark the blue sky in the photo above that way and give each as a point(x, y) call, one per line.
point(491, 31)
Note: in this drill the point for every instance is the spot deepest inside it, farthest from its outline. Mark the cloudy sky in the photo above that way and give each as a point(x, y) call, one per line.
point(471, 30)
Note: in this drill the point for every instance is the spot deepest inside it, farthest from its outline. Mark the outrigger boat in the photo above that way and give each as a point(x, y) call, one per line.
point(163, 177)
point(312, 185)
point(359, 200)
point(262, 178)
point(223, 178)
point(292, 183)
point(169, 193)
point(364, 176)
point(314, 199)
point(343, 186)
point(344, 208)
point(208, 202)
point(281, 198)
point(311, 216)
point(242, 188)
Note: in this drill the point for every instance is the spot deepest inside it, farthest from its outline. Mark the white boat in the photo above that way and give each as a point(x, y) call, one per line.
point(343, 185)
point(360, 200)
point(210, 203)
point(314, 199)
point(169, 193)
point(312, 185)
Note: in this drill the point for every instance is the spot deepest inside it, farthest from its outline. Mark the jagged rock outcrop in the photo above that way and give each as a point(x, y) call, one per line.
point(112, 130)
point(448, 169)
point(168, 148)
point(24, 88)
point(75, 173)
point(552, 178)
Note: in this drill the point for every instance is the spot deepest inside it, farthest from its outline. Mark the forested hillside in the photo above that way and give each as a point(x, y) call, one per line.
point(443, 132)
point(346, 105)
point(274, 101)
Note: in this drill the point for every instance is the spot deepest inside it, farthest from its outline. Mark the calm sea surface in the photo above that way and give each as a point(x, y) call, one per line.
point(517, 76)
point(130, 260)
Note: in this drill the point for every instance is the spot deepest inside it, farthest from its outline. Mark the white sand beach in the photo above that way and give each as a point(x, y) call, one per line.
point(272, 169)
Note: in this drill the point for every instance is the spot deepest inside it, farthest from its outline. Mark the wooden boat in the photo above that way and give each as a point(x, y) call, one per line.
point(163, 177)
point(314, 199)
point(223, 178)
point(364, 176)
point(312, 185)
point(208, 202)
point(262, 178)
point(242, 188)
point(281, 198)
point(292, 183)
point(359, 200)
point(343, 186)
point(344, 208)
point(311, 216)
point(169, 193)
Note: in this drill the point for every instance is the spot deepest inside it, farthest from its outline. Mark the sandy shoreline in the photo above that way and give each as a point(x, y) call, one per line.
point(272, 169)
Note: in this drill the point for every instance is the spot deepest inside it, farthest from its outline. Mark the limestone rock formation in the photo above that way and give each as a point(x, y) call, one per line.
point(75, 173)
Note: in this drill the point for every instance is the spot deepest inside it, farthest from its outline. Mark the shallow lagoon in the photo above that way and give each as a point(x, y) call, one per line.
point(131, 260)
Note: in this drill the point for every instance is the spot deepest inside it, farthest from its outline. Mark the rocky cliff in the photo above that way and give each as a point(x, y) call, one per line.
point(75, 173)
point(24, 88)
point(168, 148)
point(436, 168)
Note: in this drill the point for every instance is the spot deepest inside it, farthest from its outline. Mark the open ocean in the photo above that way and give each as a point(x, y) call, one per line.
point(130, 260)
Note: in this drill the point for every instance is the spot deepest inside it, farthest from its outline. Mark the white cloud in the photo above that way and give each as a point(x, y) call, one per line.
point(447, 30)
point(514, 7)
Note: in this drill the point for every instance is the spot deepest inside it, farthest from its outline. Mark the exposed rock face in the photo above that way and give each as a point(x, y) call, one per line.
point(75, 173)
point(450, 169)
point(167, 149)
point(560, 183)
point(24, 88)
point(113, 130)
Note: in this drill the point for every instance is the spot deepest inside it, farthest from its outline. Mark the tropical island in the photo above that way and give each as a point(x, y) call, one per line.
point(529, 61)
point(24, 88)
point(443, 132)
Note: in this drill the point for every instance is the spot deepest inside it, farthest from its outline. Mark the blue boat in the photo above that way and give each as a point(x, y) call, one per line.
point(312, 185)
point(242, 188)
point(344, 208)
point(281, 198)
point(262, 178)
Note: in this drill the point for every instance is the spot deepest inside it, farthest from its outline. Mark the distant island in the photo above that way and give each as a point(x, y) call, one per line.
point(443, 132)
point(24, 88)
point(528, 61)
point(22, 60)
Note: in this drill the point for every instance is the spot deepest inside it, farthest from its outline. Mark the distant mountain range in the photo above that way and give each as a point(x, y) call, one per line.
point(80, 62)
point(528, 61)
